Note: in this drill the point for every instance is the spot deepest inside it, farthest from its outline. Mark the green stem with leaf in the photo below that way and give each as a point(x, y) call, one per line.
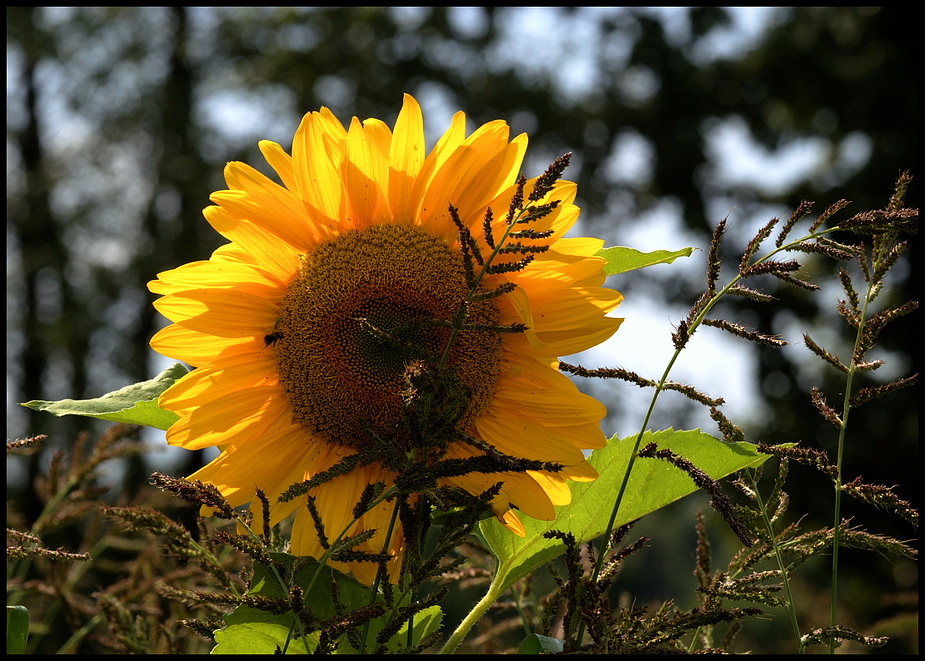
point(660, 386)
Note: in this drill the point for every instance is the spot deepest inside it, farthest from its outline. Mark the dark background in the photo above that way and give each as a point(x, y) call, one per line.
point(120, 121)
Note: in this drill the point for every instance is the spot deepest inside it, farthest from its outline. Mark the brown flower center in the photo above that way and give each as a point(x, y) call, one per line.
point(363, 310)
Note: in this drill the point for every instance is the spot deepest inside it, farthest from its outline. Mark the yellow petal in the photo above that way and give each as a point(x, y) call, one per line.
point(553, 486)
point(240, 469)
point(406, 157)
point(363, 172)
point(556, 408)
point(280, 161)
point(265, 250)
point(223, 313)
point(316, 164)
point(255, 412)
point(198, 348)
point(205, 385)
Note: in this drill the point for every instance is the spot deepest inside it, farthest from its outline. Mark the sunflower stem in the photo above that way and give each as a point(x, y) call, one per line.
point(495, 590)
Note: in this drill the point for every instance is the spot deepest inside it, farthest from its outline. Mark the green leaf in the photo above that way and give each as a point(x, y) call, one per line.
point(17, 629)
point(134, 405)
point(537, 644)
point(252, 631)
point(653, 484)
point(621, 260)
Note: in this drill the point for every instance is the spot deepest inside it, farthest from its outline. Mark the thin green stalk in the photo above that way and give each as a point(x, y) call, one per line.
point(599, 563)
point(456, 327)
point(626, 477)
point(374, 590)
point(459, 318)
point(836, 535)
point(658, 389)
point(791, 604)
point(521, 611)
point(842, 432)
point(493, 592)
point(285, 588)
point(70, 645)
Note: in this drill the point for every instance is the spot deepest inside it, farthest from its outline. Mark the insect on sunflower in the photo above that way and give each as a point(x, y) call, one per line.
point(371, 263)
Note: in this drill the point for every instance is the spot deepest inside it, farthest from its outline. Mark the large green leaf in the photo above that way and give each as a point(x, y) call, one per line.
point(621, 260)
point(252, 631)
point(134, 405)
point(653, 484)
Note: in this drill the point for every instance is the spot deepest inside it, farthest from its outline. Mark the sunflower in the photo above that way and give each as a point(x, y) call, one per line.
point(342, 279)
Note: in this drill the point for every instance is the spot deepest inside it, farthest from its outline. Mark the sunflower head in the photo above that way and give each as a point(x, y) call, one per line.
point(356, 318)
point(381, 309)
